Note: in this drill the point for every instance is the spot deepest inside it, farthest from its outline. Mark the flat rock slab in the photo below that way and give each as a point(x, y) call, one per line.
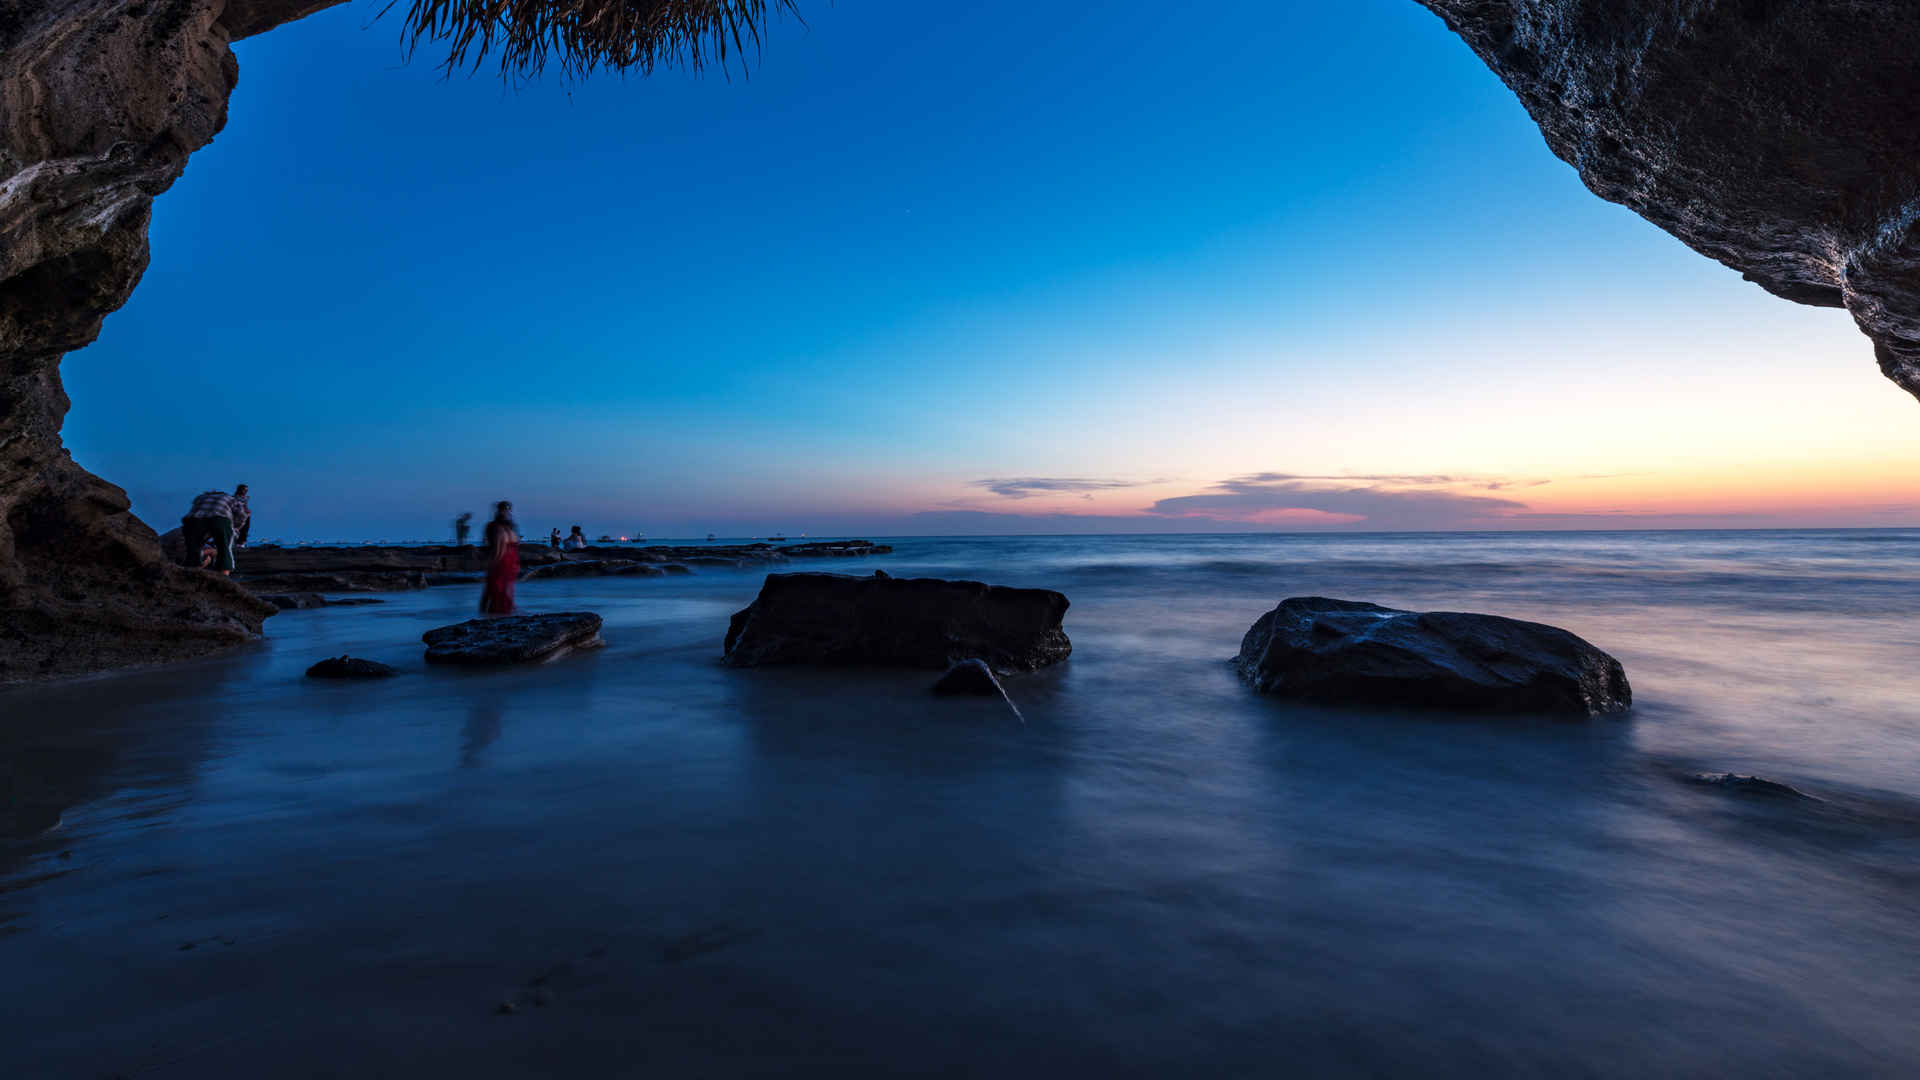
point(932, 623)
point(513, 639)
point(349, 667)
point(1345, 652)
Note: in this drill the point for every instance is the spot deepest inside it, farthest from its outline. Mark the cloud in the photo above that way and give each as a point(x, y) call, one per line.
point(1376, 501)
point(1021, 487)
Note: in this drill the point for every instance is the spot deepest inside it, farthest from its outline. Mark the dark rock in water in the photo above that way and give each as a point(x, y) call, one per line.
point(1747, 785)
point(457, 578)
point(969, 677)
point(1781, 139)
point(835, 619)
point(514, 639)
point(295, 601)
point(349, 667)
point(1340, 651)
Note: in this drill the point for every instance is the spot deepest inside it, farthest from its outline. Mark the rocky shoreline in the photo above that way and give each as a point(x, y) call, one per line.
point(271, 570)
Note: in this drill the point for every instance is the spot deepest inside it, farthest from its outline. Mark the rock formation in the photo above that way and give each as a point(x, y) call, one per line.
point(101, 101)
point(350, 667)
point(515, 639)
point(1781, 137)
point(1343, 652)
point(835, 619)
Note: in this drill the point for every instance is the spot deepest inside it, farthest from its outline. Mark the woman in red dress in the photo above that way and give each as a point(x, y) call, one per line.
point(503, 561)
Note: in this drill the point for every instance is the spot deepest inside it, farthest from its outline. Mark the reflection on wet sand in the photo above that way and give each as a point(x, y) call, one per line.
point(483, 727)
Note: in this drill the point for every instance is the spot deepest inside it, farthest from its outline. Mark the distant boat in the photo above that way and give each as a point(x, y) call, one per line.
point(776, 539)
point(709, 538)
point(605, 539)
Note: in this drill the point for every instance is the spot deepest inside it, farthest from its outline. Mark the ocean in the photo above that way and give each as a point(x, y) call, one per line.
point(638, 862)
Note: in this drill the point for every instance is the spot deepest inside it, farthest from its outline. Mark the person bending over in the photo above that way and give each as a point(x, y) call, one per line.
point(211, 518)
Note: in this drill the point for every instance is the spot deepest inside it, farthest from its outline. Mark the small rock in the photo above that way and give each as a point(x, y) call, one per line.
point(1747, 785)
point(506, 1008)
point(969, 677)
point(349, 667)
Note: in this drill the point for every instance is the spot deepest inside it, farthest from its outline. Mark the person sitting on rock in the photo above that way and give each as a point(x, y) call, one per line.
point(210, 518)
point(576, 540)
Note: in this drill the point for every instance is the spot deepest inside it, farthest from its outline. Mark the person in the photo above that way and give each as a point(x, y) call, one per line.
point(242, 516)
point(210, 518)
point(462, 525)
point(553, 538)
point(576, 540)
point(502, 538)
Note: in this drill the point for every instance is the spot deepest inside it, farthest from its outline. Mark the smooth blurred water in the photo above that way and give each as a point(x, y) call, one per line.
point(673, 868)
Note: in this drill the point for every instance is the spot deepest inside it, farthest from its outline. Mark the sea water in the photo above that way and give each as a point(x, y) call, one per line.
point(638, 862)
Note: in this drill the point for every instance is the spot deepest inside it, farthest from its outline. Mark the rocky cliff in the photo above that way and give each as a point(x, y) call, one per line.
point(101, 101)
point(1781, 137)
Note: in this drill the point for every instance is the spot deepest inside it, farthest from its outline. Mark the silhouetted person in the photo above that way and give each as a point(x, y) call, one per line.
point(462, 525)
point(242, 516)
point(211, 518)
point(553, 539)
point(576, 540)
point(503, 561)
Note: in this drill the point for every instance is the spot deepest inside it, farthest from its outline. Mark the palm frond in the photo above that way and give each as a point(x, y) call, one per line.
point(584, 36)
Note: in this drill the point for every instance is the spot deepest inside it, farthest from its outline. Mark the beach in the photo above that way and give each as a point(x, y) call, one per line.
point(636, 861)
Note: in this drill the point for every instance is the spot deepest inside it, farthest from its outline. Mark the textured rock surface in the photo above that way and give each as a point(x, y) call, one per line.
point(1781, 137)
point(515, 639)
point(1340, 651)
point(101, 101)
point(349, 667)
point(929, 623)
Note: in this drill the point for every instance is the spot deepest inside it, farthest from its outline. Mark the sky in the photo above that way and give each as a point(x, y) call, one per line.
point(1022, 267)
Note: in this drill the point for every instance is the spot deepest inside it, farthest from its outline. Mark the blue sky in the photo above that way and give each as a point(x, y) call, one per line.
point(924, 254)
